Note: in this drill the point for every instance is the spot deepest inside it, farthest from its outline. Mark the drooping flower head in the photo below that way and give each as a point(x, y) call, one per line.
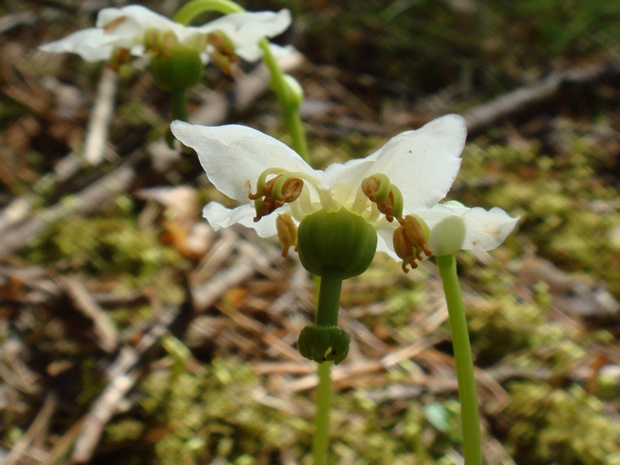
point(136, 30)
point(396, 190)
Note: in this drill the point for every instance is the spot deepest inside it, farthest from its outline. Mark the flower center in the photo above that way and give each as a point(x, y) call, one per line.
point(374, 197)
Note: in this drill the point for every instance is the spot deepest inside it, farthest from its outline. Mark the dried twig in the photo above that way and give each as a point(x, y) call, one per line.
point(86, 201)
point(126, 369)
point(487, 114)
point(97, 133)
point(105, 331)
point(38, 428)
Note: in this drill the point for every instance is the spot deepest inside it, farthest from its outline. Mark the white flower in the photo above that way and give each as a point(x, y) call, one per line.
point(422, 164)
point(125, 28)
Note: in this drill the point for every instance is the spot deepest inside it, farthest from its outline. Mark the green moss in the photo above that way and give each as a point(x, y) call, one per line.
point(214, 407)
point(561, 201)
point(112, 243)
point(564, 426)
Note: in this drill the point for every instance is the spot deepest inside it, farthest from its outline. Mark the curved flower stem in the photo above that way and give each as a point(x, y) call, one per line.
point(463, 358)
point(321, 422)
point(289, 108)
point(192, 9)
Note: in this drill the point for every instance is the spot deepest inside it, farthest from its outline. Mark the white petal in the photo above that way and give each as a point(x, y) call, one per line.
point(484, 229)
point(345, 179)
point(246, 29)
point(128, 25)
point(136, 19)
point(116, 27)
point(235, 156)
point(91, 44)
point(220, 217)
point(282, 53)
point(385, 241)
point(423, 163)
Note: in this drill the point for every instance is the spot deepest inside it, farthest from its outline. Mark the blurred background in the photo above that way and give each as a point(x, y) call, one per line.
point(131, 333)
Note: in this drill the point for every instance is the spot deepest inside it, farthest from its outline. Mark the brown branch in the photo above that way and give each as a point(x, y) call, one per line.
point(490, 113)
point(86, 201)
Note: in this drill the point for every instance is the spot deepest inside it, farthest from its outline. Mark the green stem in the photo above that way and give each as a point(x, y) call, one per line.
point(321, 422)
point(290, 112)
point(329, 297)
point(463, 358)
point(291, 116)
point(178, 98)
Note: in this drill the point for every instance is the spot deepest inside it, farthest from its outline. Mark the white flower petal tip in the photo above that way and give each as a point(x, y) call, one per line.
point(423, 163)
point(220, 217)
point(89, 44)
point(455, 227)
point(235, 156)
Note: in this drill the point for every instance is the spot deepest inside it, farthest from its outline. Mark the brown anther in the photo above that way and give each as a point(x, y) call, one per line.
point(387, 206)
point(404, 249)
point(222, 44)
point(224, 55)
point(287, 233)
point(410, 241)
point(222, 61)
point(120, 56)
point(289, 192)
point(112, 25)
point(415, 235)
point(291, 189)
point(370, 186)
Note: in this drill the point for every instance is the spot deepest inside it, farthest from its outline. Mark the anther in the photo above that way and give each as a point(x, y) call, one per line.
point(274, 193)
point(410, 240)
point(388, 197)
point(223, 55)
point(287, 233)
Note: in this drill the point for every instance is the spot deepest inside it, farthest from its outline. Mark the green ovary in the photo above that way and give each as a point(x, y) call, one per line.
point(181, 70)
point(336, 240)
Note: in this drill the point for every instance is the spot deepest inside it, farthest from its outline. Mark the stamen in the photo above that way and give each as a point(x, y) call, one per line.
point(386, 196)
point(287, 233)
point(273, 194)
point(287, 189)
point(376, 187)
point(410, 240)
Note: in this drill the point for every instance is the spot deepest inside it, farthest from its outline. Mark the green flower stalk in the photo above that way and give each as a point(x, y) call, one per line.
point(463, 358)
